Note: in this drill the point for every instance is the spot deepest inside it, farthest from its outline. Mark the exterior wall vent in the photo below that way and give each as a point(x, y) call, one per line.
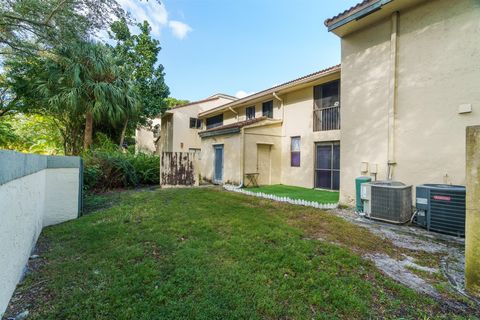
point(389, 201)
point(441, 208)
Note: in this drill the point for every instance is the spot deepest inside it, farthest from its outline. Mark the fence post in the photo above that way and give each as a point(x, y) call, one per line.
point(472, 223)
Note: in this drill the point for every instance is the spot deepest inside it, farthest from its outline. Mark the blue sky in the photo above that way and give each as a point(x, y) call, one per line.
point(239, 47)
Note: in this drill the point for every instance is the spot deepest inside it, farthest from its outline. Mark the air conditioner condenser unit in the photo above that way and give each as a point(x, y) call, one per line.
point(441, 208)
point(389, 201)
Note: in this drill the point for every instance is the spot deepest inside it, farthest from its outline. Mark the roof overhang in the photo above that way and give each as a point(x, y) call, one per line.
point(323, 76)
point(220, 132)
point(235, 130)
point(366, 13)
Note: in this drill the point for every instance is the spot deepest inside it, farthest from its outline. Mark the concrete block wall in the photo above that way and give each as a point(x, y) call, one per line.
point(35, 191)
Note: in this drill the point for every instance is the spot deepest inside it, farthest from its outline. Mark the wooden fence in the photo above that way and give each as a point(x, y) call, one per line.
point(178, 169)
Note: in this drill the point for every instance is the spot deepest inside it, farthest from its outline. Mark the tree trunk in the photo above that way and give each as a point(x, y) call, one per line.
point(122, 135)
point(88, 138)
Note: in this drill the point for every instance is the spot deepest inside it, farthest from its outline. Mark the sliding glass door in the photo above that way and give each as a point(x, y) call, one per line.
point(327, 166)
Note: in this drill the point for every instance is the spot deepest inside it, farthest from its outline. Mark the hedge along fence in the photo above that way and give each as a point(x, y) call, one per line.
point(273, 197)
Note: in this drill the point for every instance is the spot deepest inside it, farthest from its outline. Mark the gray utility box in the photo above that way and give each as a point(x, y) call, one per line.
point(441, 208)
point(388, 200)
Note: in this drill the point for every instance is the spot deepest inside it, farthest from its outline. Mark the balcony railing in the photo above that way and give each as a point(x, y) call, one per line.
point(326, 119)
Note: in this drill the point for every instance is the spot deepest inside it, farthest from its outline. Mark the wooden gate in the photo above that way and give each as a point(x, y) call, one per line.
point(178, 169)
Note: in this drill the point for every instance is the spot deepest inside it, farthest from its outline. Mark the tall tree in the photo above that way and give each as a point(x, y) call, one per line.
point(27, 26)
point(139, 52)
point(83, 82)
point(8, 100)
point(172, 102)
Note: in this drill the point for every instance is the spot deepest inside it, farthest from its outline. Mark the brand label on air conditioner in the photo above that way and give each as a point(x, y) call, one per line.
point(442, 198)
point(422, 201)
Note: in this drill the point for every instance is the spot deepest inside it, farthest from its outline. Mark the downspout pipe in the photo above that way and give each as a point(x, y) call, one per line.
point(242, 158)
point(392, 96)
point(275, 95)
point(242, 151)
point(281, 102)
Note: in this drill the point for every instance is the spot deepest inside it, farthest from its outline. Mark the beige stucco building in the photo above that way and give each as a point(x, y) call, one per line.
point(146, 137)
point(179, 126)
point(410, 86)
point(277, 135)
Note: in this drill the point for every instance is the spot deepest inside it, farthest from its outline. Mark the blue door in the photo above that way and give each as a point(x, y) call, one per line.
point(218, 164)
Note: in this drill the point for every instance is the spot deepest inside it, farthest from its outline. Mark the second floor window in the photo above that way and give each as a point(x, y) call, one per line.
point(267, 109)
point(326, 107)
point(250, 112)
point(195, 123)
point(215, 121)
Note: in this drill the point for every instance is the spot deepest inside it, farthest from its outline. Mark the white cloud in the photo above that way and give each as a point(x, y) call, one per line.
point(157, 16)
point(179, 29)
point(242, 94)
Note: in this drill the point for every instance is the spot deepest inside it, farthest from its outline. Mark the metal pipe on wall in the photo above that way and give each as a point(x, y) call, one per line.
point(392, 94)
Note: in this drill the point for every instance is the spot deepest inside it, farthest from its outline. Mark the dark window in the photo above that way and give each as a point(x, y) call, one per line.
point(195, 123)
point(215, 121)
point(326, 108)
point(267, 109)
point(327, 166)
point(250, 112)
point(327, 95)
point(295, 152)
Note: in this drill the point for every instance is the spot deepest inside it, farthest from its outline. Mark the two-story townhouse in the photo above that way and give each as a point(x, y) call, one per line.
point(180, 125)
point(288, 134)
point(410, 87)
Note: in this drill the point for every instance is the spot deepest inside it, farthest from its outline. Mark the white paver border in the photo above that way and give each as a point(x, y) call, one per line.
point(298, 202)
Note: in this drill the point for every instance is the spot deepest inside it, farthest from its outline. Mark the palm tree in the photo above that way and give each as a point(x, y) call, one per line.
point(85, 78)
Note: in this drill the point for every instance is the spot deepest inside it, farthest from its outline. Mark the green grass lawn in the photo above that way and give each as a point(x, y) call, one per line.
point(209, 254)
point(321, 196)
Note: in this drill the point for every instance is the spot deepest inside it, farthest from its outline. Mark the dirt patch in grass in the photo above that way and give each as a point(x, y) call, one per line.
point(322, 225)
point(32, 292)
point(98, 201)
point(413, 261)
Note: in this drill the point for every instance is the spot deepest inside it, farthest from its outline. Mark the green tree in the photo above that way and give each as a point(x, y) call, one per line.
point(172, 102)
point(81, 83)
point(8, 100)
point(139, 52)
point(30, 133)
point(27, 26)
point(7, 134)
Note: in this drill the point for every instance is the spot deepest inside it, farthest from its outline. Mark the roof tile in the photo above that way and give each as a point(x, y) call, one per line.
point(238, 124)
point(313, 75)
point(351, 10)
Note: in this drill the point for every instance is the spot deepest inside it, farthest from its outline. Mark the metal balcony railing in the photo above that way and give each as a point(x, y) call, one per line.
point(326, 119)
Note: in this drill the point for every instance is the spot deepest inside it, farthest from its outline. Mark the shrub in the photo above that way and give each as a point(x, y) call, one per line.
point(147, 168)
point(106, 168)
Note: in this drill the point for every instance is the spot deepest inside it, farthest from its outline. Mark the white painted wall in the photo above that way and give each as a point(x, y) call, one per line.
point(21, 210)
point(61, 198)
point(27, 204)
